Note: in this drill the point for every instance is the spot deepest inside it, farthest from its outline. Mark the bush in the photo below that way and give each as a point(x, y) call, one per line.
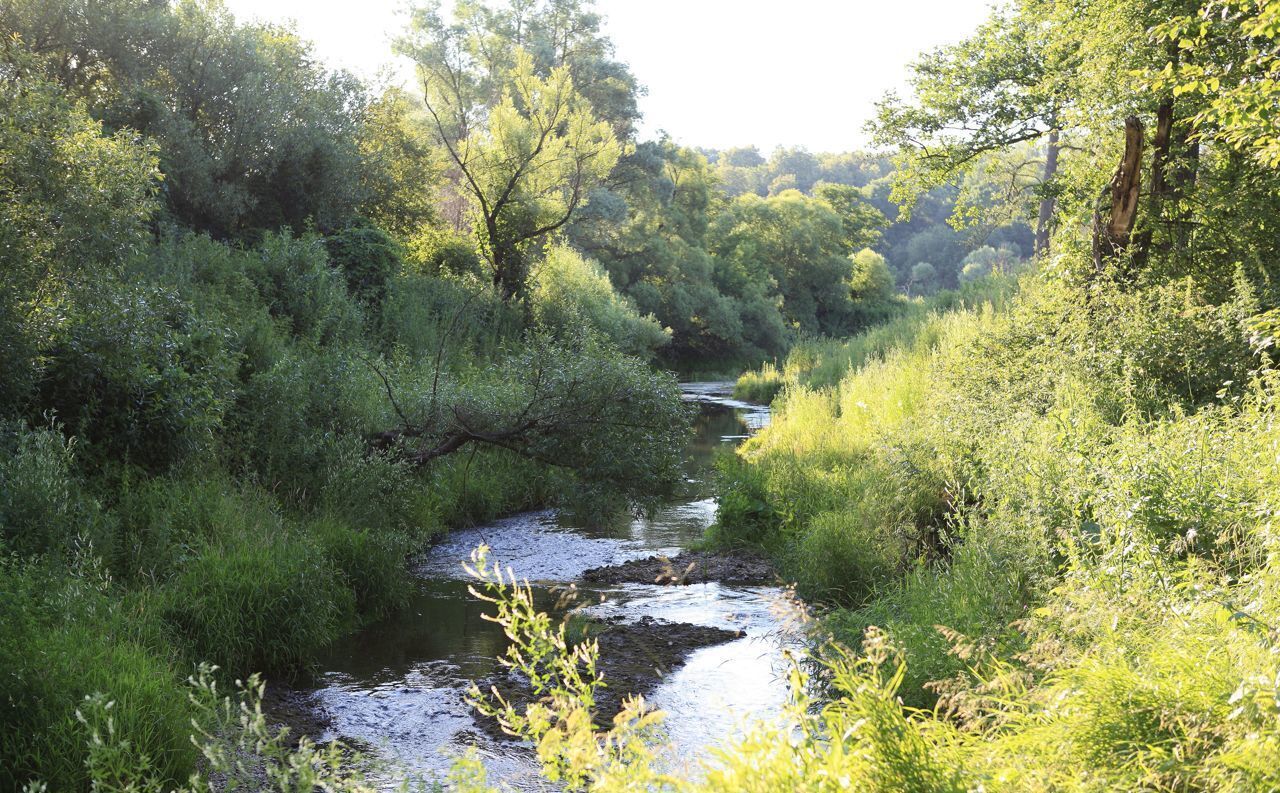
point(295, 416)
point(44, 508)
point(368, 257)
point(759, 386)
point(302, 288)
point(138, 374)
point(426, 316)
point(372, 564)
point(744, 515)
point(265, 602)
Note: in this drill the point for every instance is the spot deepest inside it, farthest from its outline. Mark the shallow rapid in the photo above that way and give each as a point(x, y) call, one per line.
point(396, 689)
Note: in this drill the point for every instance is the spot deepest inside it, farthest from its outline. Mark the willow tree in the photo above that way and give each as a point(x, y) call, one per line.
point(526, 149)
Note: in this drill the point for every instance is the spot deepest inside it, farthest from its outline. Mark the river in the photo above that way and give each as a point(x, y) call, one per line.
point(396, 688)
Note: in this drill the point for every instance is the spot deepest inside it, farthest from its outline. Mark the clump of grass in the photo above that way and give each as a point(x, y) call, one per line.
point(258, 603)
point(760, 385)
point(61, 640)
point(372, 564)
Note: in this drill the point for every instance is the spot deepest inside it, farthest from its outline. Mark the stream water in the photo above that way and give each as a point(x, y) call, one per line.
point(397, 687)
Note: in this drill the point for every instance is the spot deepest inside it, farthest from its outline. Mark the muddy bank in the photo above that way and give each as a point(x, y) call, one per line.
point(299, 711)
point(635, 656)
point(688, 567)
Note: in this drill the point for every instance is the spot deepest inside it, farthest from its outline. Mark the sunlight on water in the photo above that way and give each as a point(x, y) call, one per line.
point(397, 688)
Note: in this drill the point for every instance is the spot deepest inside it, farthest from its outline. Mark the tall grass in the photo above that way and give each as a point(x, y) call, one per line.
point(1059, 522)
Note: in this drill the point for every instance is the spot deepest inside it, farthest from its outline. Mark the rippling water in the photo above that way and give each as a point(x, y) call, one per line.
point(397, 687)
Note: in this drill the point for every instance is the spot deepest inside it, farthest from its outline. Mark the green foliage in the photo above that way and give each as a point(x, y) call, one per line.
point(400, 166)
point(253, 134)
point(529, 160)
point(1227, 60)
point(61, 640)
point(610, 424)
point(138, 374)
point(793, 242)
point(372, 564)
point(571, 292)
point(759, 385)
point(994, 90)
point(369, 259)
point(44, 509)
point(1074, 565)
point(861, 221)
point(303, 288)
point(265, 600)
point(443, 253)
point(744, 515)
point(75, 201)
point(924, 277)
point(458, 319)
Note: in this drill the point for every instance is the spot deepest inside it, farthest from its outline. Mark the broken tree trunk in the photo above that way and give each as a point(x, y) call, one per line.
point(1113, 230)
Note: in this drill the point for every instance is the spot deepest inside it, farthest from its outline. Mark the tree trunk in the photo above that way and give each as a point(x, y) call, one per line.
point(1182, 182)
point(1160, 187)
point(1047, 204)
point(1112, 231)
point(1160, 154)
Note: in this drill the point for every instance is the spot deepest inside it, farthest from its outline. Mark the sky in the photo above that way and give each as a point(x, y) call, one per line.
point(718, 73)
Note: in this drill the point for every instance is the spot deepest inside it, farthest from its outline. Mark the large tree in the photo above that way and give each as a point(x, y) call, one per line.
point(253, 132)
point(526, 149)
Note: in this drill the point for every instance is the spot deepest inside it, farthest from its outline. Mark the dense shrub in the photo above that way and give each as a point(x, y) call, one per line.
point(368, 257)
point(138, 374)
point(44, 508)
point(570, 292)
point(165, 521)
point(299, 285)
point(426, 316)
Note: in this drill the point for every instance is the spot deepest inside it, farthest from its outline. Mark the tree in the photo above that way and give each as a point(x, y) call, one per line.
point(870, 277)
point(252, 132)
point(1001, 87)
point(77, 204)
point(554, 33)
point(987, 260)
point(924, 277)
point(527, 150)
point(610, 419)
point(1227, 57)
point(862, 222)
point(789, 246)
point(400, 166)
point(648, 228)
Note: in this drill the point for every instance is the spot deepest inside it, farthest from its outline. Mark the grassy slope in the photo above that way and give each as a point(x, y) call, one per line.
point(1062, 521)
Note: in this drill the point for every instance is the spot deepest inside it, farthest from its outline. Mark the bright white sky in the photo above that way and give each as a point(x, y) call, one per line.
point(719, 73)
